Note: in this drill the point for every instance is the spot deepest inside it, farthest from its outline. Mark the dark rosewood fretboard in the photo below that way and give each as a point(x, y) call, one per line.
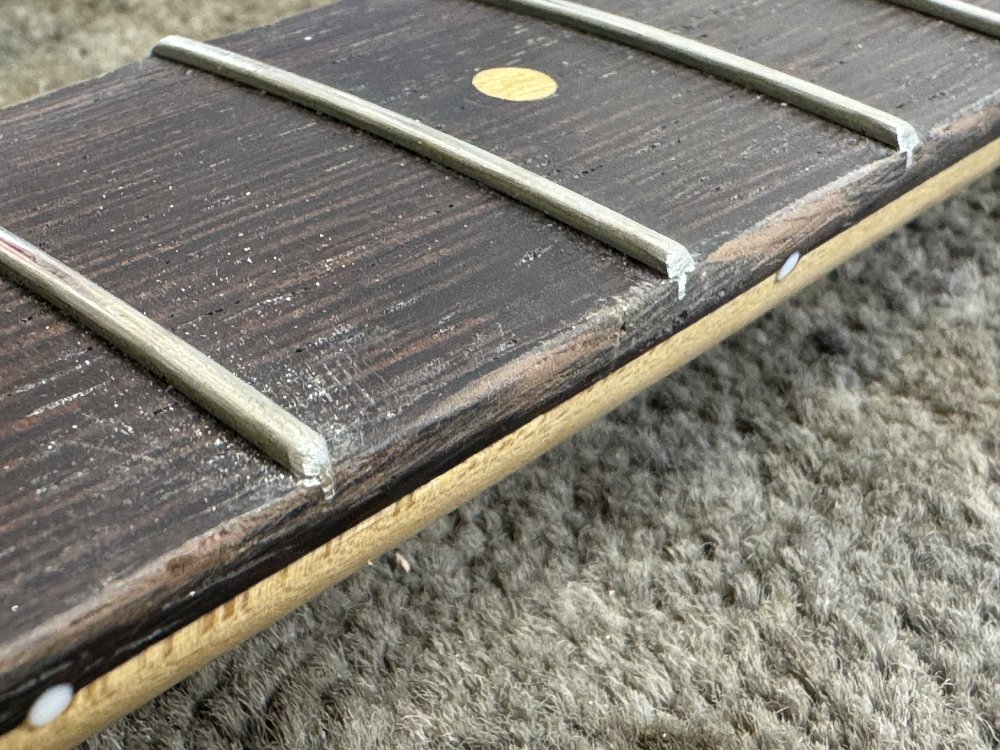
point(407, 313)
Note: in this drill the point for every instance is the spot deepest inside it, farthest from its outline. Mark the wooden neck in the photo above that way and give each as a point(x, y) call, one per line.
point(412, 315)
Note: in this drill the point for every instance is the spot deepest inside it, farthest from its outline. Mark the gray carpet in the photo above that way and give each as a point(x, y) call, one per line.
point(794, 542)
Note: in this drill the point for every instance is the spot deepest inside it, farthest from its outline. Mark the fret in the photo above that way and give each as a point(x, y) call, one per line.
point(298, 448)
point(957, 12)
point(583, 214)
point(842, 110)
point(663, 159)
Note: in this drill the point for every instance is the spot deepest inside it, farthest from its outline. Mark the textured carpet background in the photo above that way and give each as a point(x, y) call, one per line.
point(794, 542)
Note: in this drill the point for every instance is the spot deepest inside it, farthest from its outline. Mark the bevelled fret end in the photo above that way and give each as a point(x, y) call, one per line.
point(907, 139)
point(667, 257)
point(664, 256)
point(679, 263)
point(309, 457)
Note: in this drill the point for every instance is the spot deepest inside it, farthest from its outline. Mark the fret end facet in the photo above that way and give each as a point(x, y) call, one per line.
point(679, 264)
point(907, 140)
point(309, 456)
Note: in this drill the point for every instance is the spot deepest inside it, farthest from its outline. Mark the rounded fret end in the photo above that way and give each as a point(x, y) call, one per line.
point(309, 457)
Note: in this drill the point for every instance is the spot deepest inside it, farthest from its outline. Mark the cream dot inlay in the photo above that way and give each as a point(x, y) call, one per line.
point(515, 84)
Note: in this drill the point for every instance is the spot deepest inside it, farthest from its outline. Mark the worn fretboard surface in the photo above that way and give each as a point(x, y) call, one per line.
point(409, 314)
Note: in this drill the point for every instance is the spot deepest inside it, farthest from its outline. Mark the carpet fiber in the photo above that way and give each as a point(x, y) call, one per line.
point(793, 542)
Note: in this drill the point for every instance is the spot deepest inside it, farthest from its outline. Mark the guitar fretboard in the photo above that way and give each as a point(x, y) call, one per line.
point(410, 314)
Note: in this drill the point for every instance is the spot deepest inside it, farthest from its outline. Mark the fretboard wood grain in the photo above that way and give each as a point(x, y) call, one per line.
point(409, 314)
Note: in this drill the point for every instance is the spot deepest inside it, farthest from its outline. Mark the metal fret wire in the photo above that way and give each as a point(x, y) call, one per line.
point(246, 410)
point(842, 110)
point(956, 12)
point(571, 208)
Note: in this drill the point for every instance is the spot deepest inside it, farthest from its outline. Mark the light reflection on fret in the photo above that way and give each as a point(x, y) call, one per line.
point(809, 97)
point(955, 11)
point(567, 206)
point(250, 413)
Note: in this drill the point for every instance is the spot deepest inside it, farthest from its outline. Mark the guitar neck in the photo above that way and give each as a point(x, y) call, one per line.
point(409, 314)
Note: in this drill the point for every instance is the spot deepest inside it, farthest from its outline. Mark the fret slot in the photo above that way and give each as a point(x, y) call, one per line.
point(577, 211)
point(809, 97)
point(250, 413)
point(955, 11)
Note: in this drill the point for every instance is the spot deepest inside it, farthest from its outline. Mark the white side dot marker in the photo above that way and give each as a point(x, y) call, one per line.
point(50, 705)
point(789, 265)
